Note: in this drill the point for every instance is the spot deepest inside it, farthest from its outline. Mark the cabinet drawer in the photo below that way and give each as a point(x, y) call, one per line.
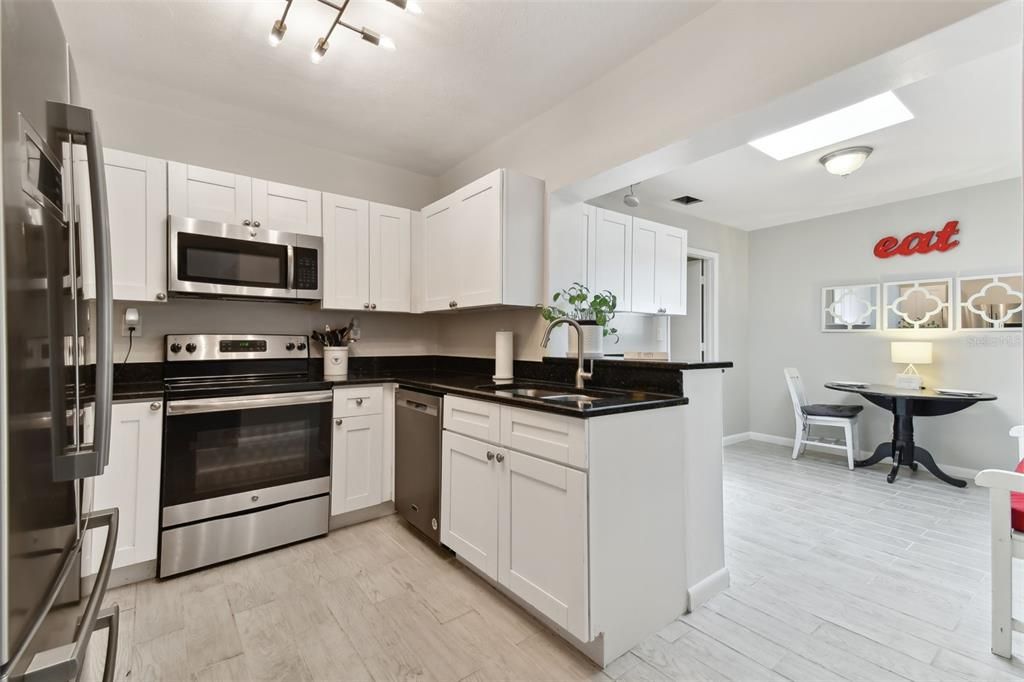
point(358, 400)
point(551, 436)
point(473, 418)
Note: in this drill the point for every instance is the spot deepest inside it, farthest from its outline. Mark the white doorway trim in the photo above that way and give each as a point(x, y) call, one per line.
point(710, 306)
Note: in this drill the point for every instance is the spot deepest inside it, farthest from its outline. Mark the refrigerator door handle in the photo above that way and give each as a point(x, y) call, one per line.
point(81, 125)
point(64, 662)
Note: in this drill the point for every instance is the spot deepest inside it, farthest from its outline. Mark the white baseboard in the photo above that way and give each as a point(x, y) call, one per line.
point(951, 469)
point(707, 588)
point(736, 438)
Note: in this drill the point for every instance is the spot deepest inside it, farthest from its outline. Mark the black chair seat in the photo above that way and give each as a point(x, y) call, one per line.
point(840, 411)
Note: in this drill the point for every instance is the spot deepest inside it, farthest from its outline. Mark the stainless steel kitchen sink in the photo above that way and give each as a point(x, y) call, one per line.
point(571, 398)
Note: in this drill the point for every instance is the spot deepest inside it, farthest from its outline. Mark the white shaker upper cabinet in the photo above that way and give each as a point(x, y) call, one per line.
point(670, 270)
point(286, 208)
point(346, 257)
point(483, 244)
point(390, 253)
point(611, 261)
point(206, 194)
point(570, 244)
point(438, 256)
point(137, 210)
point(644, 294)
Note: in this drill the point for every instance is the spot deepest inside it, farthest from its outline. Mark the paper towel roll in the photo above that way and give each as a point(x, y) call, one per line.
point(502, 356)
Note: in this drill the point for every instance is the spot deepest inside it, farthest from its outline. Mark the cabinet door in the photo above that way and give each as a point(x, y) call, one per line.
point(469, 501)
point(671, 270)
point(346, 252)
point(131, 482)
point(440, 256)
point(643, 292)
point(542, 522)
point(137, 206)
point(478, 219)
point(612, 256)
point(286, 208)
point(572, 236)
point(357, 458)
point(390, 251)
point(206, 194)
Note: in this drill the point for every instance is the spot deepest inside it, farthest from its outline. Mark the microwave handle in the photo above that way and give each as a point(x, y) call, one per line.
point(291, 267)
point(80, 123)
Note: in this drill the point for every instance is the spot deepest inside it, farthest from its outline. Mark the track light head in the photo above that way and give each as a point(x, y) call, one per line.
point(377, 39)
point(277, 33)
point(408, 5)
point(319, 50)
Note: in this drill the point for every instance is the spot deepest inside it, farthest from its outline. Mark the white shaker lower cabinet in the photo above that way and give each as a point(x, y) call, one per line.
point(542, 538)
point(131, 483)
point(580, 520)
point(469, 494)
point(357, 459)
point(362, 448)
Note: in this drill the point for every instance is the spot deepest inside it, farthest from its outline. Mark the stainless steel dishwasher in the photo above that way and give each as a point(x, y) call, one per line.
point(418, 460)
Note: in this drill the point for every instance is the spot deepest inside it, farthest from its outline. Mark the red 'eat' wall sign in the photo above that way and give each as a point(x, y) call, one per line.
point(919, 242)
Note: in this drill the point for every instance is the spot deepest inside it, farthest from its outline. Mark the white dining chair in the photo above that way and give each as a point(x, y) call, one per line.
point(1006, 494)
point(836, 416)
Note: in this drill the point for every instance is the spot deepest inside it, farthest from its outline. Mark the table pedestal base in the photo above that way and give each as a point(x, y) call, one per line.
point(905, 458)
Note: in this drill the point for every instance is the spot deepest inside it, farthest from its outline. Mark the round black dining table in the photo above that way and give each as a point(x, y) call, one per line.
point(905, 404)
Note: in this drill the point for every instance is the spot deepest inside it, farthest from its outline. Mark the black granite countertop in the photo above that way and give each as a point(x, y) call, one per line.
point(621, 385)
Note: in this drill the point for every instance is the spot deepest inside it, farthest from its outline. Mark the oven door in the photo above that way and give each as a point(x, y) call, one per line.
point(231, 454)
point(218, 259)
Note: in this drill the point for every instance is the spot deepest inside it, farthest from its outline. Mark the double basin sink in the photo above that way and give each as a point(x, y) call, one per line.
point(554, 394)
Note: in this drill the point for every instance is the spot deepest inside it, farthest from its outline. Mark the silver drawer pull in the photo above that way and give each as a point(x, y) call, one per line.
point(359, 402)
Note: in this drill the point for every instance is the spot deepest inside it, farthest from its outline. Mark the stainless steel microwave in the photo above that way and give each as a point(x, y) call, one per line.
point(221, 260)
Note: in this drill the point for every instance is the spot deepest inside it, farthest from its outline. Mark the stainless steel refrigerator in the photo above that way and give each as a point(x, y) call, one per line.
point(55, 354)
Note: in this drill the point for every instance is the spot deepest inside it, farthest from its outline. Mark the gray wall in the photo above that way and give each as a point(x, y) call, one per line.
point(732, 247)
point(788, 266)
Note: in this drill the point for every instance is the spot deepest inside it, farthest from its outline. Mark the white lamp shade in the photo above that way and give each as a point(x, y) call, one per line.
point(911, 352)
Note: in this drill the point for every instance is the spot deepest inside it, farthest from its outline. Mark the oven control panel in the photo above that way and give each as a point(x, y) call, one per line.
point(194, 347)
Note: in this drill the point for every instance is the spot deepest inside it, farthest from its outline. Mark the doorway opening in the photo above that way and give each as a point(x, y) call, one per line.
point(694, 337)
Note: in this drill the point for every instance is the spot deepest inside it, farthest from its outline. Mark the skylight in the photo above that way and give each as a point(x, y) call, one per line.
point(857, 119)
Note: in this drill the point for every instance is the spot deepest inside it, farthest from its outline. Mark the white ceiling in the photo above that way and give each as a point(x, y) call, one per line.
point(464, 74)
point(966, 131)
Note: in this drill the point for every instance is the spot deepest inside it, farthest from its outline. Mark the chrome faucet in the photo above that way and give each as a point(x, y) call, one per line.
point(581, 376)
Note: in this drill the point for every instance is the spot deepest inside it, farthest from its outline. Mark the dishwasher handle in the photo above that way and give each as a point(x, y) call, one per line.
point(416, 406)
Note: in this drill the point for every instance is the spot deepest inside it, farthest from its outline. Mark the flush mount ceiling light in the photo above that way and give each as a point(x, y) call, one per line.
point(631, 199)
point(857, 119)
point(845, 161)
point(279, 28)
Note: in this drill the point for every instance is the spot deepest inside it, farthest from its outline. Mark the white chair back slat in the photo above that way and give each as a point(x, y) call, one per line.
point(1018, 433)
point(796, 390)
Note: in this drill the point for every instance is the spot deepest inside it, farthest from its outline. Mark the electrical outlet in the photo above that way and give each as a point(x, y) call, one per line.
point(138, 329)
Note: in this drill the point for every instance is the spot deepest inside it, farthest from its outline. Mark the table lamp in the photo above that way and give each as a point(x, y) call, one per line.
point(912, 353)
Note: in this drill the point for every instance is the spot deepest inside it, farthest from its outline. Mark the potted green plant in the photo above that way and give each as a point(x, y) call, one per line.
point(593, 311)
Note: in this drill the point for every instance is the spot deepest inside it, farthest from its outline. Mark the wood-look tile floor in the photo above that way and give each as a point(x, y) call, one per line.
point(836, 575)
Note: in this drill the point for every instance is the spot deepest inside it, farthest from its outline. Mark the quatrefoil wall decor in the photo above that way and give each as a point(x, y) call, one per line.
point(850, 308)
point(993, 302)
point(918, 304)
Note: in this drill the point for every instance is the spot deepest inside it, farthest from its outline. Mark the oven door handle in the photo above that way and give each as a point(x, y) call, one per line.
point(248, 402)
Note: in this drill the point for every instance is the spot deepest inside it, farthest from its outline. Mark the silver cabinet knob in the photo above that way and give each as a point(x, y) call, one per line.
point(255, 223)
point(455, 304)
point(359, 402)
point(373, 306)
point(500, 457)
point(161, 296)
point(366, 306)
point(247, 222)
point(253, 233)
point(154, 406)
point(490, 456)
point(337, 422)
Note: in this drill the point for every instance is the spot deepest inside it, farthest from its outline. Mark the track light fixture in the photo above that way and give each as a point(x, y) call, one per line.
point(277, 31)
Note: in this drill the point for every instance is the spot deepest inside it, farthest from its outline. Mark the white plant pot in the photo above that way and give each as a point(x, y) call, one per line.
point(593, 341)
point(336, 362)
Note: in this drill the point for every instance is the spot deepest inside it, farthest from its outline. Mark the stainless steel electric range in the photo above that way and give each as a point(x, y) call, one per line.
point(247, 448)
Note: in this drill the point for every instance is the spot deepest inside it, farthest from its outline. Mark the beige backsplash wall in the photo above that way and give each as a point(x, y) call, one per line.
point(382, 333)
